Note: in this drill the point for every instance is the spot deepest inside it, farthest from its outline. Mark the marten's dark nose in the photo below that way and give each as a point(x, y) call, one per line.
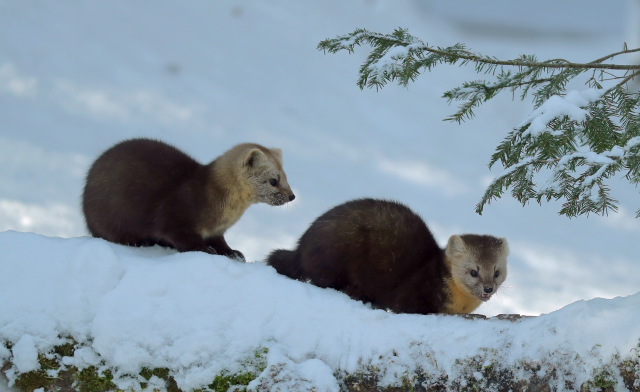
point(291, 197)
point(488, 289)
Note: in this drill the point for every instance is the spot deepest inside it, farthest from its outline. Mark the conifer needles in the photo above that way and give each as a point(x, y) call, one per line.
point(581, 138)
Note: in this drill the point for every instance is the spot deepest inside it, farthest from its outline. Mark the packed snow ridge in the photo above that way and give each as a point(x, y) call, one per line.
point(199, 315)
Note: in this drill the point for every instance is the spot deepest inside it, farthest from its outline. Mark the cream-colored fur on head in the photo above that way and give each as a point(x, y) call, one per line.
point(247, 171)
point(474, 261)
point(277, 153)
point(263, 171)
point(455, 246)
point(244, 174)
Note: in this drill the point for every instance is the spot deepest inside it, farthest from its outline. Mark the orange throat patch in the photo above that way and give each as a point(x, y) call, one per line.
point(460, 300)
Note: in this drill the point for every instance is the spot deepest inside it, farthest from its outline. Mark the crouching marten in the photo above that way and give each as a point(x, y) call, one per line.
point(381, 252)
point(144, 192)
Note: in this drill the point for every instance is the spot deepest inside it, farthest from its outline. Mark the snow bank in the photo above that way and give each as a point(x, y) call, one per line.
point(200, 316)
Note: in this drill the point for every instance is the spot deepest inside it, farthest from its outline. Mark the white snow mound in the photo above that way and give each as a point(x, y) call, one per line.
point(198, 315)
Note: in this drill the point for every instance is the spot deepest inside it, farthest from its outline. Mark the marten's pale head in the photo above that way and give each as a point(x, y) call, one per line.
point(478, 263)
point(267, 177)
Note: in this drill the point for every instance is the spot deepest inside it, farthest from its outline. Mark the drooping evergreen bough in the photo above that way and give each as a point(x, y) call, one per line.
point(581, 138)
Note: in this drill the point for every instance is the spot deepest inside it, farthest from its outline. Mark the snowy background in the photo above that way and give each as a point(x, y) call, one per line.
point(77, 77)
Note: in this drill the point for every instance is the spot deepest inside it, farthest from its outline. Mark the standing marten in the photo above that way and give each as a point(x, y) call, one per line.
point(381, 252)
point(144, 192)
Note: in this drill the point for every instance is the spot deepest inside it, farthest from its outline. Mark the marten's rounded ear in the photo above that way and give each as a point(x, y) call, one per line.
point(277, 153)
point(254, 158)
point(504, 246)
point(455, 246)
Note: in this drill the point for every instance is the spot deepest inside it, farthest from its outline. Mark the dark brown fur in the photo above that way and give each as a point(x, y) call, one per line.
point(380, 252)
point(374, 251)
point(145, 192)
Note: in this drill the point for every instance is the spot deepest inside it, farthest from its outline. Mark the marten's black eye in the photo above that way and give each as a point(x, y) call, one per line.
point(474, 273)
point(273, 182)
point(496, 274)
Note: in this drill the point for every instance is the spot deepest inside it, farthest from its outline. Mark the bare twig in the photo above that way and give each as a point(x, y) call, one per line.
point(628, 78)
point(612, 55)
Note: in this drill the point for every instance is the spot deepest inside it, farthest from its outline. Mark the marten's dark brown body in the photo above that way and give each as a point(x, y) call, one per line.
point(145, 192)
point(381, 252)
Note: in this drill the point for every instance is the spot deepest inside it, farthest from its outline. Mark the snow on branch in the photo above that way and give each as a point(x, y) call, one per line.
point(584, 138)
point(557, 106)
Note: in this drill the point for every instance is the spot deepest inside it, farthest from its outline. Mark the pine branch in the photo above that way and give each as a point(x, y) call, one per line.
point(583, 138)
point(555, 63)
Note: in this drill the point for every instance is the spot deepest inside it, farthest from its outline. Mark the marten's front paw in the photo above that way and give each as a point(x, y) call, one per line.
point(211, 250)
point(236, 256)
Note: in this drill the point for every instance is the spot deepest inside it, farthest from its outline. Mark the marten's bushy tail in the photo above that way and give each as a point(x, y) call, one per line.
point(285, 262)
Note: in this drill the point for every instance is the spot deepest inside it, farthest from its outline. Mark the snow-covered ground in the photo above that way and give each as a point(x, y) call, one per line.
point(197, 315)
point(76, 77)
